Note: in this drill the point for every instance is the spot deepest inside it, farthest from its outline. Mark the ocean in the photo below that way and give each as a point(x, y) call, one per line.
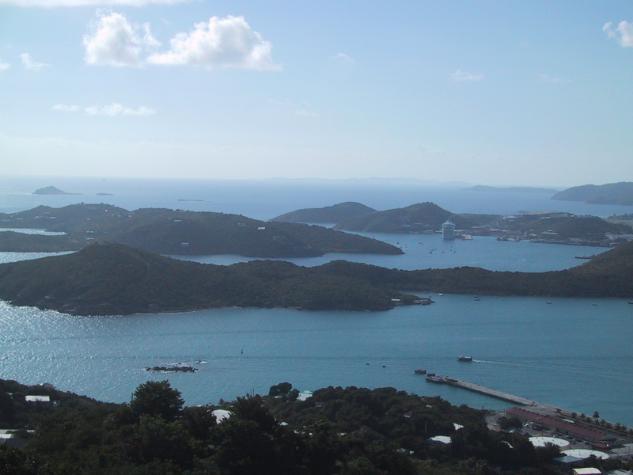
point(574, 353)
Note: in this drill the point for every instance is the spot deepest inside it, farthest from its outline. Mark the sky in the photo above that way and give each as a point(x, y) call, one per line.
point(502, 92)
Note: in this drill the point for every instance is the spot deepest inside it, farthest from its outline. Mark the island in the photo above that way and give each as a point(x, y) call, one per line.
point(51, 190)
point(333, 430)
point(328, 214)
point(179, 232)
point(620, 193)
point(113, 279)
point(554, 228)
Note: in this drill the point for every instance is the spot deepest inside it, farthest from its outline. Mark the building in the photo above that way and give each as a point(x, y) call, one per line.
point(37, 398)
point(448, 230)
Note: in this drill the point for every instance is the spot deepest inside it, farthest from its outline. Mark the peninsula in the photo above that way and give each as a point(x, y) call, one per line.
point(611, 193)
point(114, 279)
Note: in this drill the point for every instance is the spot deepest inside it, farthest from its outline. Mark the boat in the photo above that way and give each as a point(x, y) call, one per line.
point(419, 371)
point(584, 257)
point(465, 359)
point(432, 378)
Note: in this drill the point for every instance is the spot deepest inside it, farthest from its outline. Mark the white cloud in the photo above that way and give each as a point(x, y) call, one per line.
point(465, 76)
point(622, 32)
point(114, 41)
point(30, 64)
point(86, 3)
point(227, 42)
point(66, 108)
point(111, 110)
point(4, 66)
point(548, 78)
point(344, 58)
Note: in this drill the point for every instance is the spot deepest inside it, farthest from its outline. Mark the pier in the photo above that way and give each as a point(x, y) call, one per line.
point(476, 388)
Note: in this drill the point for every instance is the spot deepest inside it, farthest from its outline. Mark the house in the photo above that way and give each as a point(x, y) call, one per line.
point(37, 398)
point(586, 471)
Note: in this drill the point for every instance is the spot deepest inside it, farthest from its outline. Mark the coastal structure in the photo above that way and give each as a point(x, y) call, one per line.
point(448, 230)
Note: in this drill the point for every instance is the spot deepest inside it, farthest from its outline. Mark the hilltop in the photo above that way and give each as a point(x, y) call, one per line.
point(179, 232)
point(419, 217)
point(611, 193)
point(115, 279)
point(328, 214)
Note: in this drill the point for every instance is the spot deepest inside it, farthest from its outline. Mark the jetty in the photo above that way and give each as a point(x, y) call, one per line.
point(477, 388)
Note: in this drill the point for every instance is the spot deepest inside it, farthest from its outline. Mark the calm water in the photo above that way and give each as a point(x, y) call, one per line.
point(267, 199)
point(575, 353)
point(569, 353)
point(431, 251)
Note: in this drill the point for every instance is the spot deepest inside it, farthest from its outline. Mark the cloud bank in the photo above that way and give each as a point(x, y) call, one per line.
point(4, 66)
point(111, 110)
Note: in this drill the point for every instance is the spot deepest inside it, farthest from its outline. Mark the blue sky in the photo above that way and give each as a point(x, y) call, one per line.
point(495, 92)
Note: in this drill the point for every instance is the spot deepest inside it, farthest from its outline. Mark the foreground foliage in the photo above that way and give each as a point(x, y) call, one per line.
point(347, 431)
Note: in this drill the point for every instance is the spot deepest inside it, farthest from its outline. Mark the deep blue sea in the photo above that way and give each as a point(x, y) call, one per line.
point(574, 353)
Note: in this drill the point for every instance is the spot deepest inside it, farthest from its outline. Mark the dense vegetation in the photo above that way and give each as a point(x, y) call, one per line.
point(328, 214)
point(176, 232)
point(347, 431)
point(611, 193)
point(115, 279)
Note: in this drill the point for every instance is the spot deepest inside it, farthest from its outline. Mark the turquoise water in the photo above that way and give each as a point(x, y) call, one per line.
point(430, 251)
point(574, 353)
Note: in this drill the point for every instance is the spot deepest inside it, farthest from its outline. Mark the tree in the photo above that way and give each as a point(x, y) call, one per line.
point(157, 398)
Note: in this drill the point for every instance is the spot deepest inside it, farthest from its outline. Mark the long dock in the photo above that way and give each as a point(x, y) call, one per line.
point(476, 388)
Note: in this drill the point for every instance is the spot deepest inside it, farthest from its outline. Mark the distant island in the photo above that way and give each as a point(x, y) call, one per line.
point(105, 194)
point(513, 189)
point(611, 193)
point(328, 214)
point(178, 232)
point(51, 190)
point(114, 279)
point(559, 228)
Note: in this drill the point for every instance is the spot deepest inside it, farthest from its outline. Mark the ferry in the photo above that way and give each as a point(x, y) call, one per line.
point(465, 359)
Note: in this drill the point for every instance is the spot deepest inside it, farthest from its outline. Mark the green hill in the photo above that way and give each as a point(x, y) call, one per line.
point(115, 279)
point(328, 214)
point(177, 232)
